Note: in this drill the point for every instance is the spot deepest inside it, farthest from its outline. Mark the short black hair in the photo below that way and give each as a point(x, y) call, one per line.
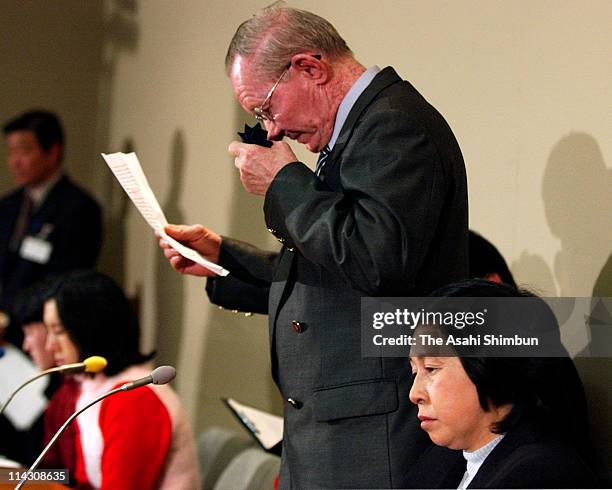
point(486, 259)
point(513, 380)
point(544, 391)
point(99, 319)
point(45, 125)
point(29, 302)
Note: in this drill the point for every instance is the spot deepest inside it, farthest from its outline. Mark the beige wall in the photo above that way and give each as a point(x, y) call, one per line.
point(524, 84)
point(50, 57)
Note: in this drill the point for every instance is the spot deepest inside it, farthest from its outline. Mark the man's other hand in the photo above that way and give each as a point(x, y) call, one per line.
point(259, 165)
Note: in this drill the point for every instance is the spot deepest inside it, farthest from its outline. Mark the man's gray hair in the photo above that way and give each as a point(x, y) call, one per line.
point(277, 32)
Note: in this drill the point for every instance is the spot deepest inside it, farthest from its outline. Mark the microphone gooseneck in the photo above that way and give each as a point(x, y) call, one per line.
point(159, 376)
point(93, 364)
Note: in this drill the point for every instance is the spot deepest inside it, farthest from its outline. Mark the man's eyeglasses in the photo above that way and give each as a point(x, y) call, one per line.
point(261, 113)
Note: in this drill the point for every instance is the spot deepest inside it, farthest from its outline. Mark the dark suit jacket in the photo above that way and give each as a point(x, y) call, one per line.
point(387, 218)
point(524, 458)
point(76, 228)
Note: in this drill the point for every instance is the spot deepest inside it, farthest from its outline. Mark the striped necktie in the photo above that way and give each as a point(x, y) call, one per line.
point(322, 159)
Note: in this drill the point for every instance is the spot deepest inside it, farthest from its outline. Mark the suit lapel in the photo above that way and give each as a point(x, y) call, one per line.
point(500, 457)
point(49, 206)
point(382, 80)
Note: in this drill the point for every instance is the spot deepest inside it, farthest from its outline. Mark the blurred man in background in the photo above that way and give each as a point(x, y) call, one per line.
point(49, 224)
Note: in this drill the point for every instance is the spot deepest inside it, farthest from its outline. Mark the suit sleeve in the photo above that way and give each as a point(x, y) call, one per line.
point(137, 432)
point(233, 294)
point(247, 287)
point(376, 232)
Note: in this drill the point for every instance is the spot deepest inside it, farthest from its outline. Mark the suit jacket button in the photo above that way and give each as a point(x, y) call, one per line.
point(297, 326)
point(280, 239)
point(294, 403)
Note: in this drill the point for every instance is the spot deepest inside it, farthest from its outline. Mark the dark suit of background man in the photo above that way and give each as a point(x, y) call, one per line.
point(385, 216)
point(48, 225)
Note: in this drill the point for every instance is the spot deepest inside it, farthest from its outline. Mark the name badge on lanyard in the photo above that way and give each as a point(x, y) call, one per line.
point(36, 248)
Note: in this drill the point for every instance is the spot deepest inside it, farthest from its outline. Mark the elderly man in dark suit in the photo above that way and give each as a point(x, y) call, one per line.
point(48, 225)
point(384, 214)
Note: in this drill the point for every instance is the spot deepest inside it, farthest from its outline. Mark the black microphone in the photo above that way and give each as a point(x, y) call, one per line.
point(93, 364)
point(159, 376)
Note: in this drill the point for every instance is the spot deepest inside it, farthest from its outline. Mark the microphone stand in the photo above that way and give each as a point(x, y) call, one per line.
point(159, 376)
point(77, 367)
point(39, 375)
point(59, 432)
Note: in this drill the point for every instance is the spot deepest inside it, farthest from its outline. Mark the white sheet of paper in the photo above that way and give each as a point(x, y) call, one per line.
point(268, 428)
point(129, 173)
point(29, 403)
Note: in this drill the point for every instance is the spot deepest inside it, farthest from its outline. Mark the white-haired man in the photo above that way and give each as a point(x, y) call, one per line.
point(384, 214)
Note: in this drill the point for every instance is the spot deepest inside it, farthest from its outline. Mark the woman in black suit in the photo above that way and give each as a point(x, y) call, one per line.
point(520, 422)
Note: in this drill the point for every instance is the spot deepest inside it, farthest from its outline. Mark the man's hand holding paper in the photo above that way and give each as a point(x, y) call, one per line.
point(204, 241)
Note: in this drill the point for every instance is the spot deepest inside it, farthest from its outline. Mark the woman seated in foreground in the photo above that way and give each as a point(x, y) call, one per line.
point(520, 422)
point(139, 439)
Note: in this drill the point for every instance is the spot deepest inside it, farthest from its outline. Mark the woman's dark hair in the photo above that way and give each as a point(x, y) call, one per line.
point(519, 381)
point(99, 319)
point(29, 302)
point(545, 391)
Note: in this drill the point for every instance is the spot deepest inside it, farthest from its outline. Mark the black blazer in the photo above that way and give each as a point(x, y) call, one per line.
point(388, 217)
point(524, 458)
point(74, 219)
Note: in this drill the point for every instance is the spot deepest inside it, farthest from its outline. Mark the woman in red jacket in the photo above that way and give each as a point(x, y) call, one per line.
point(135, 439)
